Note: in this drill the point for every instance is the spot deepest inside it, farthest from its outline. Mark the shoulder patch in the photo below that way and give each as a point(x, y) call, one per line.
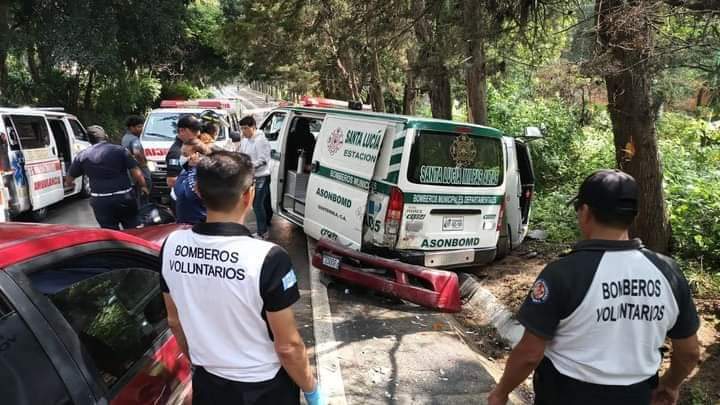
point(540, 291)
point(289, 280)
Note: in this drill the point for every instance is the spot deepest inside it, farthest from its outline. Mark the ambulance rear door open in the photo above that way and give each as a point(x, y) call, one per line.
point(344, 161)
point(36, 153)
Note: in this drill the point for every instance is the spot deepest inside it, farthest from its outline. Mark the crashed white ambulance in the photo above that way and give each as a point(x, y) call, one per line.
point(160, 131)
point(36, 148)
point(429, 192)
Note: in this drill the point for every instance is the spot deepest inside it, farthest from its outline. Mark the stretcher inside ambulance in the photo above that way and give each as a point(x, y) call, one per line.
point(429, 192)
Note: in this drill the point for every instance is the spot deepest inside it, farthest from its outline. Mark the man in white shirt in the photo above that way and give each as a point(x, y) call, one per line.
point(255, 145)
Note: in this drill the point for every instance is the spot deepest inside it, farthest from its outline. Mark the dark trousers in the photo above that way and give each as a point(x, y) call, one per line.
point(262, 189)
point(268, 205)
point(209, 389)
point(552, 388)
point(115, 210)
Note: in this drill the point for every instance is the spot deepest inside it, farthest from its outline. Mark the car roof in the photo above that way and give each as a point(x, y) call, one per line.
point(20, 242)
point(23, 110)
point(188, 110)
point(432, 124)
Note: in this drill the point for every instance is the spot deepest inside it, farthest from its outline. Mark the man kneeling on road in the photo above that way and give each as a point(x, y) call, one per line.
point(229, 298)
point(596, 320)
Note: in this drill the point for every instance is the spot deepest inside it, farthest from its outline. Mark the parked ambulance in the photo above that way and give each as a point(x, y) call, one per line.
point(36, 149)
point(160, 131)
point(429, 192)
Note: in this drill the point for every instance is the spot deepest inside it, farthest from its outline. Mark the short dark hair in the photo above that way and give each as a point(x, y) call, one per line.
point(134, 120)
point(96, 134)
point(189, 121)
point(222, 178)
point(613, 219)
point(210, 128)
point(247, 121)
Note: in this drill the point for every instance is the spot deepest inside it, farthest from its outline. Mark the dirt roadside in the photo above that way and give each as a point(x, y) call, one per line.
point(510, 280)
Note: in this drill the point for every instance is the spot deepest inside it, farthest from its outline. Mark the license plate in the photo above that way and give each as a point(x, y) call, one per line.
point(331, 261)
point(453, 223)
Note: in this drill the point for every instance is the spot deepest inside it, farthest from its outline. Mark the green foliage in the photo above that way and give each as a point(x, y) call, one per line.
point(183, 90)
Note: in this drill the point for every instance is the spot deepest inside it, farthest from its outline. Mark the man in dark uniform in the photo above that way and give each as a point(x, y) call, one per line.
point(131, 142)
point(107, 165)
point(188, 129)
point(229, 299)
point(597, 319)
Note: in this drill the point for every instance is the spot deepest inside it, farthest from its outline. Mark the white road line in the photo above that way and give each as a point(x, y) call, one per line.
point(327, 361)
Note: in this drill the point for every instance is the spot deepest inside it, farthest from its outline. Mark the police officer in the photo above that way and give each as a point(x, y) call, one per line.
point(131, 142)
point(188, 129)
point(107, 165)
point(229, 298)
point(596, 320)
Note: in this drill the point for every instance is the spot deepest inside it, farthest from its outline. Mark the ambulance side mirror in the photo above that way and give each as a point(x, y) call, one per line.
point(235, 136)
point(531, 133)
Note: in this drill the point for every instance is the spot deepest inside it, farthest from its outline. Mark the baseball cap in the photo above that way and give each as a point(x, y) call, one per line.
point(189, 121)
point(610, 191)
point(96, 133)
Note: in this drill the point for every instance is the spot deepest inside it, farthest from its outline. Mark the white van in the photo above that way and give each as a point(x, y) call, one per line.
point(36, 148)
point(160, 131)
point(429, 192)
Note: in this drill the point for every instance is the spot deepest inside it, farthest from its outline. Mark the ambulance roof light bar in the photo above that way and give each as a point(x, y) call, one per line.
point(200, 103)
point(308, 101)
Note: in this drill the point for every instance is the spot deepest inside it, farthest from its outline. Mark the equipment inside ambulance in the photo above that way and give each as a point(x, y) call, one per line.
point(36, 148)
point(160, 131)
point(428, 192)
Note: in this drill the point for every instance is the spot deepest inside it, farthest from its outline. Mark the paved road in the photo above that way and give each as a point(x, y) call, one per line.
point(369, 349)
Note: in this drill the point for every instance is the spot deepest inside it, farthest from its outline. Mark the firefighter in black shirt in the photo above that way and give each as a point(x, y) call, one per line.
point(596, 320)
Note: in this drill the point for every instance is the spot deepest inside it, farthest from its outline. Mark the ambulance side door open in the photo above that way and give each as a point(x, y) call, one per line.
point(42, 166)
point(272, 127)
point(344, 160)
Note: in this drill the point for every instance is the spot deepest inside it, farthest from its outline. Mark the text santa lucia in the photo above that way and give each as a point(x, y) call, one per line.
point(459, 176)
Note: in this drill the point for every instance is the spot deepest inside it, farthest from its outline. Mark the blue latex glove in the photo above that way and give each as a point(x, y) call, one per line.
point(315, 397)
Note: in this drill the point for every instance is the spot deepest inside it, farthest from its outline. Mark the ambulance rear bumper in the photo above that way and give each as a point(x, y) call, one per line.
point(448, 259)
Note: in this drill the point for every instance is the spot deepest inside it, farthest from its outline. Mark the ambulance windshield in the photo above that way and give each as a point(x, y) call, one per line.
point(161, 126)
point(455, 159)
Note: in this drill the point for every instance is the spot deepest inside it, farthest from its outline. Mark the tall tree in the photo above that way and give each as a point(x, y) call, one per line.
point(628, 58)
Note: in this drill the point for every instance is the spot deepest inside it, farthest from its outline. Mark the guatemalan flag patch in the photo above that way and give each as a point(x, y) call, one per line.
point(289, 280)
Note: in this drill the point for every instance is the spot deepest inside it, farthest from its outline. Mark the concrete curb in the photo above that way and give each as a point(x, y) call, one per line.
point(481, 302)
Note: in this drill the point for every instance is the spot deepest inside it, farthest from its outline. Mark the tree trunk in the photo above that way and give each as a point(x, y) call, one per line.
point(475, 70)
point(89, 88)
point(32, 66)
point(440, 95)
point(4, 31)
point(377, 99)
point(633, 116)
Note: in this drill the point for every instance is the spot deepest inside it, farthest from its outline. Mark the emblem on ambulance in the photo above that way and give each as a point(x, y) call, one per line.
point(463, 151)
point(336, 141)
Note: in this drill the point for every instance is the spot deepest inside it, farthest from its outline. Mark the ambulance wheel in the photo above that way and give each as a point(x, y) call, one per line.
point(504, 244)
point(39, 215)
point(85, 190)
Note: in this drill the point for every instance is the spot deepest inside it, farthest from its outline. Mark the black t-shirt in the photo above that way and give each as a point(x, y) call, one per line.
point(106, 165)
point(172, 159)
point(609, 303)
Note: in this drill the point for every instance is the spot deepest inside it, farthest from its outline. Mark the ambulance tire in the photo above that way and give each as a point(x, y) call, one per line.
point(85, 190)
point(39, 215)
point(504, 245)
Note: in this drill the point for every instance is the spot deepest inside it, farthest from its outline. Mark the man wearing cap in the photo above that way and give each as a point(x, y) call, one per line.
point(596, 319)
point(188, 129)
point(131, 141)
point(107, 165)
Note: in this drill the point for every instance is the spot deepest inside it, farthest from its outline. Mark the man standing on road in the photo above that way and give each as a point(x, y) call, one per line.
point(255, 145)
point(229, 297)
point(106, 165)
point(188, 129)
point(131, 142)
point(596, 320)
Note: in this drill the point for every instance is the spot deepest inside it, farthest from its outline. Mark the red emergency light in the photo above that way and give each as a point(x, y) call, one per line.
point(308, 101)
point(202, 103)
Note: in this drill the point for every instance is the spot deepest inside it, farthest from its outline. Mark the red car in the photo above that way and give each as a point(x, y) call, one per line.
point(82, 320)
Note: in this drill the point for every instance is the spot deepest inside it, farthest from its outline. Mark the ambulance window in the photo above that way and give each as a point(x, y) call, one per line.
point(78, 130)
point(11, 134)
point(272, 126)
point(444, 158)
point(32, 131)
